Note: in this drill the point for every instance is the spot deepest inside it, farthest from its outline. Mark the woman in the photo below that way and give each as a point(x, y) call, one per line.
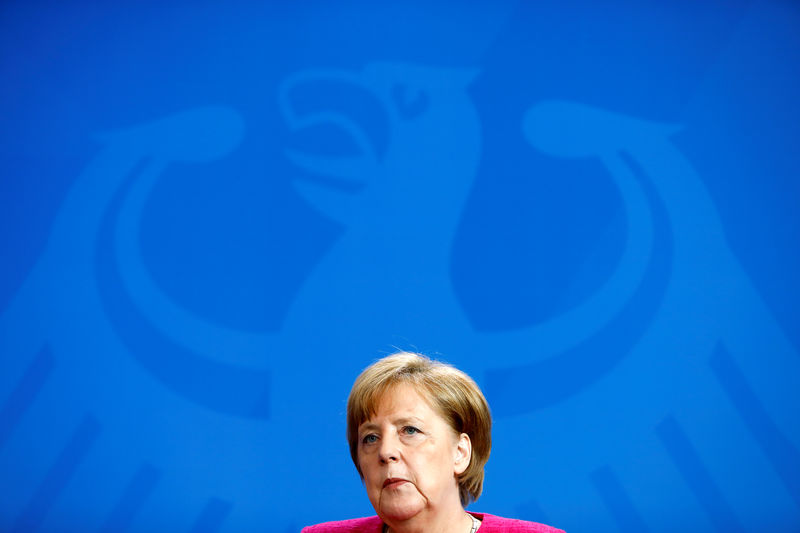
point(420, 435)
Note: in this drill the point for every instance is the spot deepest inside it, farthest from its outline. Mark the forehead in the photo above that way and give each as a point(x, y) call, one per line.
point(403, 399)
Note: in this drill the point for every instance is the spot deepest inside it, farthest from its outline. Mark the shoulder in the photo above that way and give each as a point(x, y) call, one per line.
point(369, 524)
point(492, 523)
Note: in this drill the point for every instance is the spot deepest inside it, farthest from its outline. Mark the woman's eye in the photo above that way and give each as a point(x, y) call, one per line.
point(410, 430)
point(369, 439)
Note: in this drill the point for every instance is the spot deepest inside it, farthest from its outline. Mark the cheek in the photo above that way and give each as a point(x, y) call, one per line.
point(367, 470)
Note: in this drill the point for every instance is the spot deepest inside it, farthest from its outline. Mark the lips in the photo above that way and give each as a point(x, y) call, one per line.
point(394, 482)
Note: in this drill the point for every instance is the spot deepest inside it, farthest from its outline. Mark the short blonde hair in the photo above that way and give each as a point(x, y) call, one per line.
point(451, 392)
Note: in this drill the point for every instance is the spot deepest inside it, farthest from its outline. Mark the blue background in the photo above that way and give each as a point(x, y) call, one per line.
point(213, 216)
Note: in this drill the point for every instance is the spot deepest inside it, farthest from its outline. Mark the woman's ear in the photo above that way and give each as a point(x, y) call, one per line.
point(463, 454)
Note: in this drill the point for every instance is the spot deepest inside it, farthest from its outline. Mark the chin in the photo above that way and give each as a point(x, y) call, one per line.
point(401, 509)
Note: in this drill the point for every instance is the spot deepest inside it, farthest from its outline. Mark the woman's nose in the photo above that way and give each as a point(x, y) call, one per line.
point(387, 453)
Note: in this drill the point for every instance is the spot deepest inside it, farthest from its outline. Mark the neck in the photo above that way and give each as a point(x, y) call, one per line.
point(458, 521)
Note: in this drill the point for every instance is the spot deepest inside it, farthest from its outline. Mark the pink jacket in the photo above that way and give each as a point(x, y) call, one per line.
point(489, 524)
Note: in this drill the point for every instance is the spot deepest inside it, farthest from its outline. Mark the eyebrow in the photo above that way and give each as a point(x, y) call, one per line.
point(368, 426)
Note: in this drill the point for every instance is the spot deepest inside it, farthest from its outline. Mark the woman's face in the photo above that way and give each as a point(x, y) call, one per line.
point(410, 457)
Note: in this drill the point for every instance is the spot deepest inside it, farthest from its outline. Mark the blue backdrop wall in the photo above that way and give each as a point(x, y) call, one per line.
point(213, 215)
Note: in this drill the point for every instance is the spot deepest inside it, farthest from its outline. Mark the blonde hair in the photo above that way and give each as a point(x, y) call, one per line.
point(451, 392)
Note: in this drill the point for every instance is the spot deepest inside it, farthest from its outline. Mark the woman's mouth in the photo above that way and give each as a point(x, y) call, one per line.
point(394, 482)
